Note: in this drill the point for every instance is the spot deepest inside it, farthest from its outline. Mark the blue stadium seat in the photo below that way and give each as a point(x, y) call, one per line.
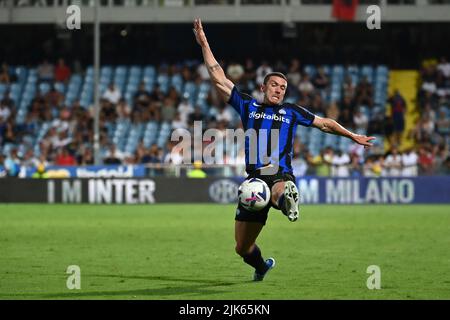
point(310, 69)
point(189, 90)
point(60, 87)
point(163, 81)
point(21, 74)
point(367, 71)
point(44, 87)
point(149, 74)
point(177, 82)
point(338, 70)
point(106, 70)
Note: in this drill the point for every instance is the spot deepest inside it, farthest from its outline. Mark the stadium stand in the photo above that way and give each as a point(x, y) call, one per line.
point(140, 108)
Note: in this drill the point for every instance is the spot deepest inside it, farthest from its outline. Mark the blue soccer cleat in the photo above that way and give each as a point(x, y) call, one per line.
point(270, 263)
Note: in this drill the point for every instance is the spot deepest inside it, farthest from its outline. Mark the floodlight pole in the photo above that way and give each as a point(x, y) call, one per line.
point(96, 83)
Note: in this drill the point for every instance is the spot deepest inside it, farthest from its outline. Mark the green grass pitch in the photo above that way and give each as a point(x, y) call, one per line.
point(187, 252)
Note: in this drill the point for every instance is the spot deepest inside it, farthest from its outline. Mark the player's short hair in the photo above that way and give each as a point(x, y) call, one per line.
point(276, 74)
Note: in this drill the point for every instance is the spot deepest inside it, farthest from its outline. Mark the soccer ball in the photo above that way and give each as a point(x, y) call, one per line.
point(254, 194)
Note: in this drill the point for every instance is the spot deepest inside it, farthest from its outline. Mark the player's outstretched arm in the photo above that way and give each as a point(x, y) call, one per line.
point(218, 78)
point(330, 126)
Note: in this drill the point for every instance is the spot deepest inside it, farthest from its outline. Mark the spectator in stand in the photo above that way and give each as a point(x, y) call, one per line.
point(355, 165)
point(154, 111)
point(202, 71)
point(177, 122)
point(62, 140)
point(340, 164)
point(113, 156)
point(323, 162)
point(321, 80)
point(364, 93)
point(7, 101)
point(62, 71)
point(444, 169)
point(7, 131)
point(185, 109)
point(186, 74)
point(299, 165)
point(141, 98)
point(369, 167)
point(317, 105)
point(261, 72)
point(3, 172)
point(64, 158)
point(423, 130)
point(54, 98)
point(224, 115)
point(444, 68)
point(157, 95)
point(107, 110)
point(280, 66)
point(4, 74)
point(398, 109)
point(235, 72)
point(45, 72)
point(429, 71)
point(168, 110)
point(393, 163)
point(247, 83)
point(123, 110)
point(332, 111)
point(197, 115)
point(409, 163)
point(305, 86)
point(62, 123)
point(12, 163)
point(197, 172)
point(112, 94)
point(86, 157)
point(152, 155)
point(361, 122)
point(441, 153)
point(294, 76)
point(426, 160)
point(443, 122)
point(427, 98)
point(175, 154)
point(5, 112)
point(348, 88)
point(250, 70)
point(346, 119)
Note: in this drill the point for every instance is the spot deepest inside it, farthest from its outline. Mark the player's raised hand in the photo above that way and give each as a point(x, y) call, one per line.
point(199, 33)
point(363, 140)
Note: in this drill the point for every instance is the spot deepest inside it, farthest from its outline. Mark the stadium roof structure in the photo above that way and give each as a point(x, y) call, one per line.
point(224, 11)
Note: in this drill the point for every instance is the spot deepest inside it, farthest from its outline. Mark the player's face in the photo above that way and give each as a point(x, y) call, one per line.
point(274, 90)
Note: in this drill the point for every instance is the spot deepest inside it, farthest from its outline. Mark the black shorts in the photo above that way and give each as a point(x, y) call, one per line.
point(243, 214)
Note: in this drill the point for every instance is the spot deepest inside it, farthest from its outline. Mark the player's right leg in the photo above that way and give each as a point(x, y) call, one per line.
point(285, 197)
point(291, 200)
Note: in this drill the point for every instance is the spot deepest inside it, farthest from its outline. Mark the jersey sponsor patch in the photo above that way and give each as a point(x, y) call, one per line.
point(274, 117)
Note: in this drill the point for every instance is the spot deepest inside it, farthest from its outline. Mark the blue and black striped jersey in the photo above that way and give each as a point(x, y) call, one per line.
point(284, 117)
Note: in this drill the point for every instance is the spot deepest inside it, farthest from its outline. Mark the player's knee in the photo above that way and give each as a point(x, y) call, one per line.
point(241, 249)
point(277, 191)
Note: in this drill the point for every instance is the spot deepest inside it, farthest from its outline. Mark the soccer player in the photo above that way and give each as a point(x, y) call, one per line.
point(272, 113)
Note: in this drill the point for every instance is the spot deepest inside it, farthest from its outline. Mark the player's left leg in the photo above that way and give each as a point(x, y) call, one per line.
point(285, 197)
point(246, 233)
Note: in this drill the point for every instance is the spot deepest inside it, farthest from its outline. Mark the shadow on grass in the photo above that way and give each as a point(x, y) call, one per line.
point(194, 286)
